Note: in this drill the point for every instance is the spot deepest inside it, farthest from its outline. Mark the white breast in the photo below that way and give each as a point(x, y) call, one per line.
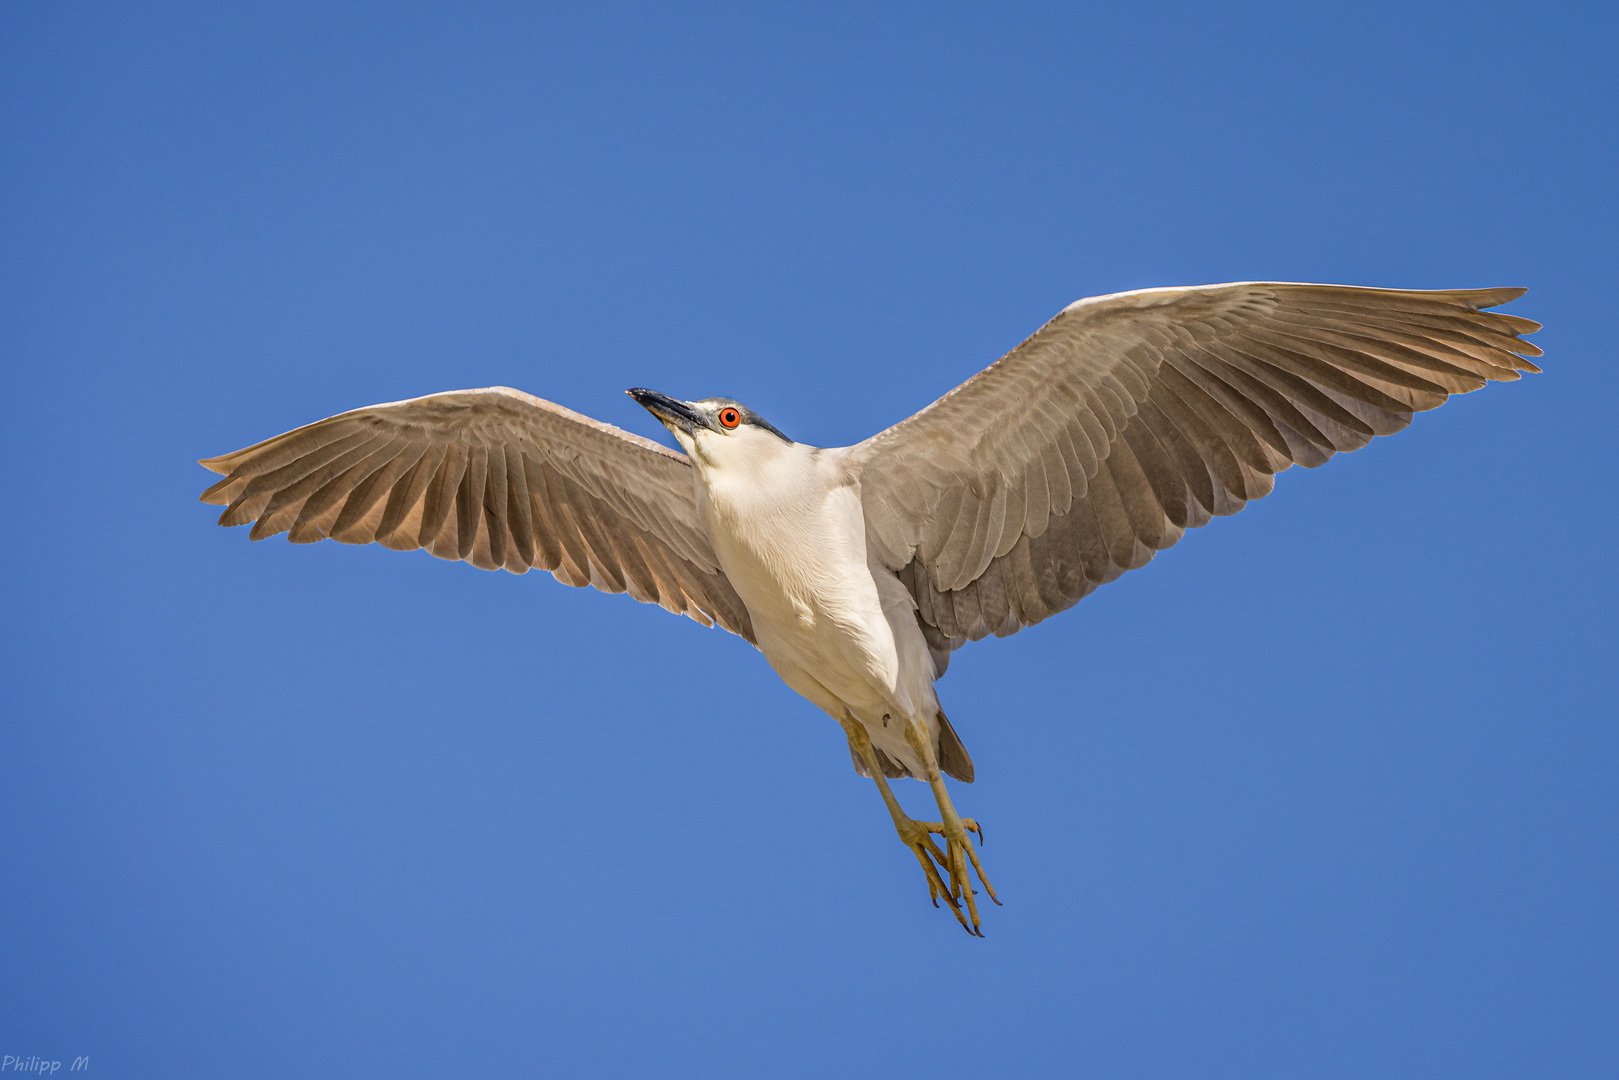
point(788, 527)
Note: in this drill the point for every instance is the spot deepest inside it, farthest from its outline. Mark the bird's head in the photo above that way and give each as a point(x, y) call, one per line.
point(713, 431)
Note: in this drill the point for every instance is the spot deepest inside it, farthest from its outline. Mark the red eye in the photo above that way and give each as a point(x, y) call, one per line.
point(729, 417)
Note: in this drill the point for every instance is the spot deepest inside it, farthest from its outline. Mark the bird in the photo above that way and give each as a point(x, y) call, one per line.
point(857, 571)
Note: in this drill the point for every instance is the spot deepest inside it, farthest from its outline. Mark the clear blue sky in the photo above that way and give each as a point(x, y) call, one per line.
point(1329, 790)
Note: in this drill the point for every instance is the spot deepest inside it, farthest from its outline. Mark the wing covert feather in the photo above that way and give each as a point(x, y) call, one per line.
point(1130, 418)
point(496, 477)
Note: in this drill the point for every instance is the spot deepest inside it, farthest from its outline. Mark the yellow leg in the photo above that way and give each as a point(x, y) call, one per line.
point(918, 835)
point(959, 847)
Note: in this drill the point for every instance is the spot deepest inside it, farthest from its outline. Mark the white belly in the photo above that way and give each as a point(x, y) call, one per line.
point(840, 632)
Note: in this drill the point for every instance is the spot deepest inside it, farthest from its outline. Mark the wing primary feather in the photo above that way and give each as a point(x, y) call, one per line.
point(1130, 418)
point(440, 499)
point(1169, 490)
point(1188, 463)
point(547, 548)
point(469, 500)
point(1203, 371)
point(291, 484)
point(1342, 429)
point(495, 477)
point(370, 491)
point(1399, 346)
point(319, 512)
point(494, 507)
point(1220, 459)
point(519, 512)
point(405, 496)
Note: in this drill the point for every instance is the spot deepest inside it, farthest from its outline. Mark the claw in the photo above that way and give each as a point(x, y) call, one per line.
point(918, 835)
point(960, 851)
point(954, 861)
point(973, 855)
point(936, 885)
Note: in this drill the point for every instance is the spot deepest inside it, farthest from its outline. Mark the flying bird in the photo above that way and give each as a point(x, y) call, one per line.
point(858, 570)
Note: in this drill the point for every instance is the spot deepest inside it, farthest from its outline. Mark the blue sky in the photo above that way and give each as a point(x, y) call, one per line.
point(1328, 790)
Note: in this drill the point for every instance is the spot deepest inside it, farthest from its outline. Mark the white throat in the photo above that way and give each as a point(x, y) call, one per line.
point(746, 455)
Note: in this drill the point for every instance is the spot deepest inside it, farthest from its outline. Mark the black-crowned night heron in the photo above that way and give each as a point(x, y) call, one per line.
point(1121, 423)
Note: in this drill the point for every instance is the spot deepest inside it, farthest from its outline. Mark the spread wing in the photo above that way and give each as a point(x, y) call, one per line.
point(495, 477)
point(1130, 418)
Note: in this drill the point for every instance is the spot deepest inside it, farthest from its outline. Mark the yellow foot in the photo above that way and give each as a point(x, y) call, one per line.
point(953, 861)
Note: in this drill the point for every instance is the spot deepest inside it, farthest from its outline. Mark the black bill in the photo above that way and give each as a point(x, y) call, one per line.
point(671, 412)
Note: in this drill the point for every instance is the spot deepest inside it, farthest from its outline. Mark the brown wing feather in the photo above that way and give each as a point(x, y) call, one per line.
point(1128, 419)
point(495, 477)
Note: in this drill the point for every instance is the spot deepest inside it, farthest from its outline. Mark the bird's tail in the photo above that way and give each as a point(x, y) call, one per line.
point(953, 758)
point(954, 761)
